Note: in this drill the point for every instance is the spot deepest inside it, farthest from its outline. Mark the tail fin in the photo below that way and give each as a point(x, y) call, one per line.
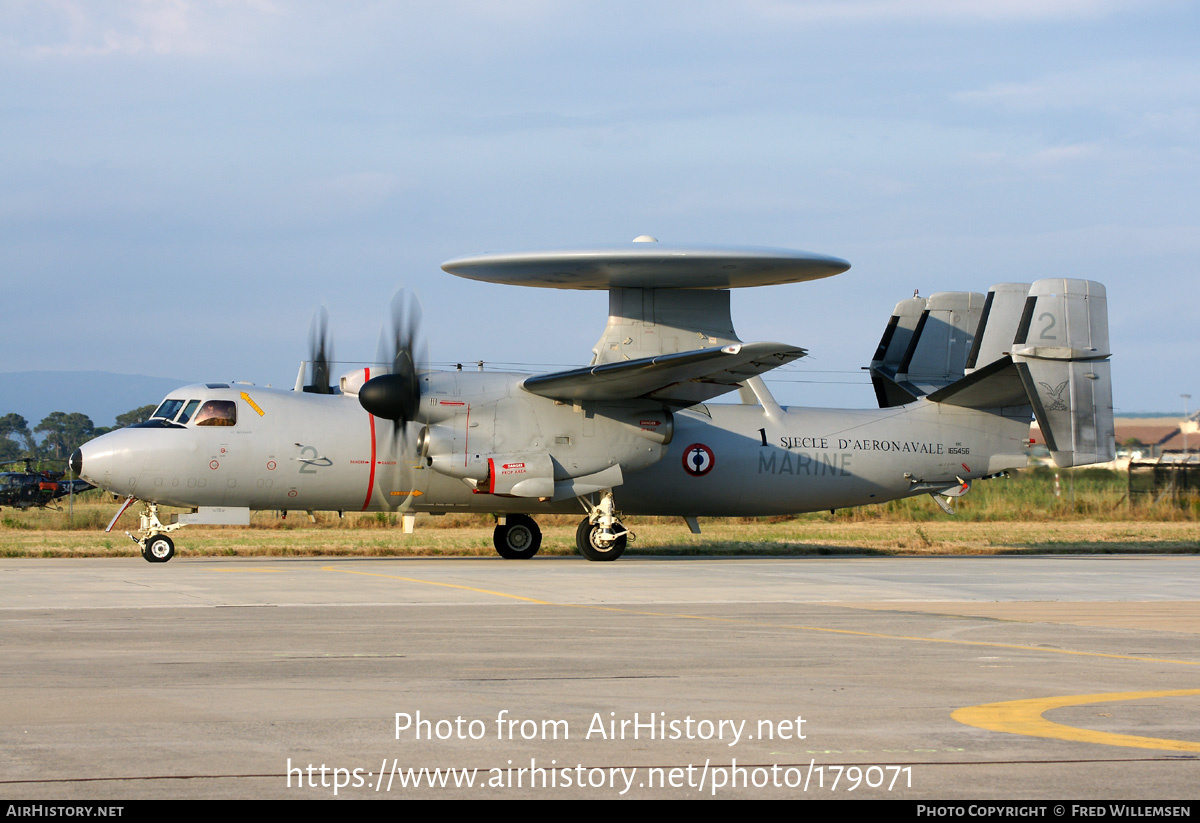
point(925, 346)
point(998, 324)
point(884, 365)
point(1056, 364)
point(1061, 352)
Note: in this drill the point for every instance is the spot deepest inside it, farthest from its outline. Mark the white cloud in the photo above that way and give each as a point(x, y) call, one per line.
point(1121, 84)
point(74, 28)
point(191, 27)
point(1048, 157)
point(1056, 155)
point(948, 10)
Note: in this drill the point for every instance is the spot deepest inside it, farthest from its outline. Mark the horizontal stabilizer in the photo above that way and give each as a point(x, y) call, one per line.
point(683, 378)
point(889, 392)
point(996, 386)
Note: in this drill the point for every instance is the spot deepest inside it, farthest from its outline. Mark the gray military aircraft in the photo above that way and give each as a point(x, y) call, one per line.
point(958, 376)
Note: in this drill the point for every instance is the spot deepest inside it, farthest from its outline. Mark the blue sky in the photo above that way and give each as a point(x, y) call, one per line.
point(182, 184)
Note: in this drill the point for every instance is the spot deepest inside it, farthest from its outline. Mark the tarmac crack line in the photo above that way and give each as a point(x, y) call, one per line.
point(50, 781)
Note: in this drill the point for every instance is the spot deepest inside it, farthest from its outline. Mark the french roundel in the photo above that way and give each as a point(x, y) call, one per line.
point(698, 460)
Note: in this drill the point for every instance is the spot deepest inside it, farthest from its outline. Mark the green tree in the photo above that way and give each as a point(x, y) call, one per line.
point(15, 438)
point(64, 433)
point(138, 415)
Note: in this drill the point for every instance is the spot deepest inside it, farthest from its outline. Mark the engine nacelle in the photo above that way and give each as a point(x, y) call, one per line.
point(528, 446)
point(352, 381)
point(521, 475)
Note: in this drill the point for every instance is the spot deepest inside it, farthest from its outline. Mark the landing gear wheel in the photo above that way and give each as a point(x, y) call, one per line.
point(158, 549)
point(518, 539)
point(589, 545)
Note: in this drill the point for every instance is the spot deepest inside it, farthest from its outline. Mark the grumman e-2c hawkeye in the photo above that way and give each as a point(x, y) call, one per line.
point(958, 376)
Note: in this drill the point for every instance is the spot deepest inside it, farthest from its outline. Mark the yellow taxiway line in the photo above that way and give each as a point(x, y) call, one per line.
point(1025, 717)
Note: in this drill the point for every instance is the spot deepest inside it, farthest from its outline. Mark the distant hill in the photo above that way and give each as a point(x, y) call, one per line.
point(100, 395)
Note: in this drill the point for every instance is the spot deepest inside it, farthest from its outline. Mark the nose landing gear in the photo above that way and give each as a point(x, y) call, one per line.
point(158, 548)
point(601, 535)
point(155, 545)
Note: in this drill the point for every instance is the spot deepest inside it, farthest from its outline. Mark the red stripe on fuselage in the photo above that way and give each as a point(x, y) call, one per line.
point(371, 479)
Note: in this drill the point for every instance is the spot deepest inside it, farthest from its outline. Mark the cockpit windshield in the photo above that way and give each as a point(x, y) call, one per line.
point(167, 409)
point(188, 411)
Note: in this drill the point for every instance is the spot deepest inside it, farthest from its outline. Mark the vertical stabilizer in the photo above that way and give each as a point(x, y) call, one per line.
point(925, 346)
point(1002, 311)
point(890, 352)
point(899, 333)
point(937, 355)
point(1061, 352)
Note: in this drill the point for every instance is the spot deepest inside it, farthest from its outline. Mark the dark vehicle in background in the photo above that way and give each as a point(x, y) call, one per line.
point(35, 487)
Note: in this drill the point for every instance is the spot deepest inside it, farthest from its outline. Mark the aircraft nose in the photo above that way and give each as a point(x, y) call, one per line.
point(115, 461)
point(94, 461)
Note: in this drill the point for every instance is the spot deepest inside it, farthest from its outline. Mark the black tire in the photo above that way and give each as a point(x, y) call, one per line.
point(159, 549)
point(590, 547)
point(518, 539)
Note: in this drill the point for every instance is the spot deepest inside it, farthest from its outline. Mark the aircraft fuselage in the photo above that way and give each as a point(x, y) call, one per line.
point(300, 451)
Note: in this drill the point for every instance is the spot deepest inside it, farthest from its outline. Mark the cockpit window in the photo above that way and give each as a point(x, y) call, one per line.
point(167, 409)
point(217, 413)
point(188, 411)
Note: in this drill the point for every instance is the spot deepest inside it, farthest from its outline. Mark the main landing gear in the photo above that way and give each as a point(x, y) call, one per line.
point(589, 540)
point(601, 535)
point(517, 538)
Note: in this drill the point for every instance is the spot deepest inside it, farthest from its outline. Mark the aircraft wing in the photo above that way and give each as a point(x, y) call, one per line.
point(683, 378)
